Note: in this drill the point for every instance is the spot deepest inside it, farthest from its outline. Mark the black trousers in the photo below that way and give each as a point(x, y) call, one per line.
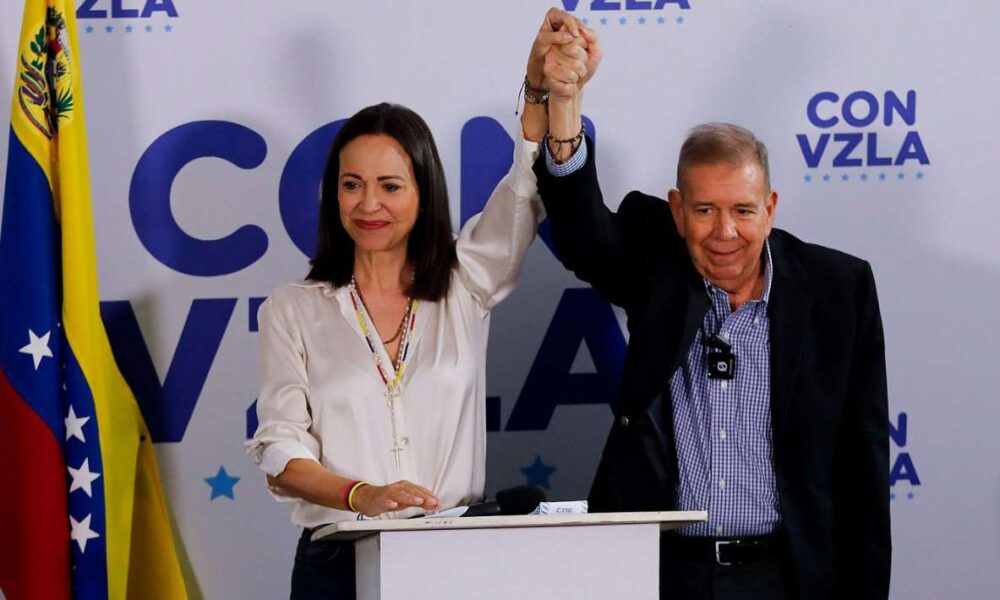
point(686, 577)
point(323, 570)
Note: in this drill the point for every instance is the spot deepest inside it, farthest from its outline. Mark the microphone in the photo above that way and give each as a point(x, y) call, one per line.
point(519, 500)
point(720, 359)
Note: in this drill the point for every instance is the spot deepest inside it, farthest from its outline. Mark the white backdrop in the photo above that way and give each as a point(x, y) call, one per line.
point(275, 72)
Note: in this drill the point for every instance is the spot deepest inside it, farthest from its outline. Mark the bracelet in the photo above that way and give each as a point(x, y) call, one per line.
point(573, 141)
point(350, 494)
point(347, 492)
point(532, 94)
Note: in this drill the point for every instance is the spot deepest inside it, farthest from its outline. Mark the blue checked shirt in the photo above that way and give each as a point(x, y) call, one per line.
point(722, 428)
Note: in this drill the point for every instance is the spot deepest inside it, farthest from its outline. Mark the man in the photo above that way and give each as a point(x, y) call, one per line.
point(754, 383)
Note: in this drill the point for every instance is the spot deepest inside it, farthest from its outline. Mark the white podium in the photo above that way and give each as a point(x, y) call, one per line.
point(599, 555)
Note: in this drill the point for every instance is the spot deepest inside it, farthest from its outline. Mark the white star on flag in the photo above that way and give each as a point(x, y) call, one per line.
point(82, 478)
point(80, 531)
point(38, 347)
point(74, 425)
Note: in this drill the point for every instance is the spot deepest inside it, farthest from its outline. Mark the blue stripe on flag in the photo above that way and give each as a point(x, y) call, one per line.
point(90, 562)
point(30, 262)
point(29, 268)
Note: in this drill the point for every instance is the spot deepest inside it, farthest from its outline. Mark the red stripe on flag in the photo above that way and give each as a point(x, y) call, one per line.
point(34, 522)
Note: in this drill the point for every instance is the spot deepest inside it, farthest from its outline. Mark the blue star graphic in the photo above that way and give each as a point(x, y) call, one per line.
point(149, 28)
point(901, 176)
point(808, 178)
point(909, 495)
point(920, 174)
point(109, 29)
point(661, 20)
point(586, 21)
point(845, 177)
point(128, 29)
point(89, 29)
point(864, 177)
point(222, 484)
point(604, 20)
point(642, 20)
point(680, 20)
point(881, 176)
point(623, 20)
point(892, 496)
point(168, 28)
point(826, 178)
point(538, 473)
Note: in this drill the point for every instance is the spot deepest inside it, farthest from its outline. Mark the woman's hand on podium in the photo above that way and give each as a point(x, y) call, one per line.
point(373, 500)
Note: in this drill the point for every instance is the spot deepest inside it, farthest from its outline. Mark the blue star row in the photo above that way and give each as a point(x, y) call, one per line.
point(909, 495)
point(844, 177)
point(129, 28)
point(661, 20)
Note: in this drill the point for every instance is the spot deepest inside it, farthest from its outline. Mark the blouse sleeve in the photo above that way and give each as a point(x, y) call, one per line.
point(283, 412)
point(492, 244)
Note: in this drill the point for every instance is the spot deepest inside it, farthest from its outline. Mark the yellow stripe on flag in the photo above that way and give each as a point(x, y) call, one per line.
point(141, 555)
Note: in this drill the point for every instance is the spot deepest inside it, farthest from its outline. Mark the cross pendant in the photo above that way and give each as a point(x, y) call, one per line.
point(391, 396)
point(396, 449)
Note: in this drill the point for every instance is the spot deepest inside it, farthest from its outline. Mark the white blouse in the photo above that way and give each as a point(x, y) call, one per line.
point(321, 397)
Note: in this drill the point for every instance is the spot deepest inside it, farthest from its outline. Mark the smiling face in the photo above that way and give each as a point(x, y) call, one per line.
point(724, 212)
point(377, 193)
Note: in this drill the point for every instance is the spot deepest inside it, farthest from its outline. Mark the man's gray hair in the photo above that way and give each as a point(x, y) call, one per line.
point(712, 143)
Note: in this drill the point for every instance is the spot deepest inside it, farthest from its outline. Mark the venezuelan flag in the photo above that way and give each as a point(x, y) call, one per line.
point(82, 512)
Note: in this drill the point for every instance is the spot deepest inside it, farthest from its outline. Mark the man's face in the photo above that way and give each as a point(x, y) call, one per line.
point(724, 212)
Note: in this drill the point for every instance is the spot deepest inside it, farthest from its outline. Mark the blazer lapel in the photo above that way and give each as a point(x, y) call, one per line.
point(698, 304)
point(670, 348)
point(789, 310)
point(693, 303)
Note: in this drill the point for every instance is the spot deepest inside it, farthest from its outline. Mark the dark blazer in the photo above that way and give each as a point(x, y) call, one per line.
point(828, 386)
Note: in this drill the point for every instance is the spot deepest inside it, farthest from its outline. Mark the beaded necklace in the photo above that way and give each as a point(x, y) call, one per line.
point(392, 391)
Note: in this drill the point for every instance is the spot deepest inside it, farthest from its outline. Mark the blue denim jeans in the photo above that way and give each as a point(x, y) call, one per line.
point(323, 569)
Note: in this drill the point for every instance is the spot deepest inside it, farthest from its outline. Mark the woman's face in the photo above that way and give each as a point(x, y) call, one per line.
point(377, 193)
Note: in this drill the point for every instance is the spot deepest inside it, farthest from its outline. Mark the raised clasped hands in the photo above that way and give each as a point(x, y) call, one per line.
point(564, 56)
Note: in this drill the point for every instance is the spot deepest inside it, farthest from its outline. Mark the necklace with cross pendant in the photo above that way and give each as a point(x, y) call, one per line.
point(391, 395)
point(391, 378)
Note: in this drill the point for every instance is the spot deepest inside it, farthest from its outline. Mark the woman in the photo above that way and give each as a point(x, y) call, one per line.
point(372, 370)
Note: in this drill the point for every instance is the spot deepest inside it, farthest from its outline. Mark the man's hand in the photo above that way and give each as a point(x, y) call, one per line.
point(373, 500)
point(558, 29)
point(568, 67)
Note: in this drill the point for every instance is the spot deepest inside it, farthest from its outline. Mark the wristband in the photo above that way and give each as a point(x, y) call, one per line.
point(350, 494)
point(347, 492)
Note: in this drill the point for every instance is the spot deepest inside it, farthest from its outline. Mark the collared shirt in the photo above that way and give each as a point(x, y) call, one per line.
point(322, 399)
point(722, 427)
